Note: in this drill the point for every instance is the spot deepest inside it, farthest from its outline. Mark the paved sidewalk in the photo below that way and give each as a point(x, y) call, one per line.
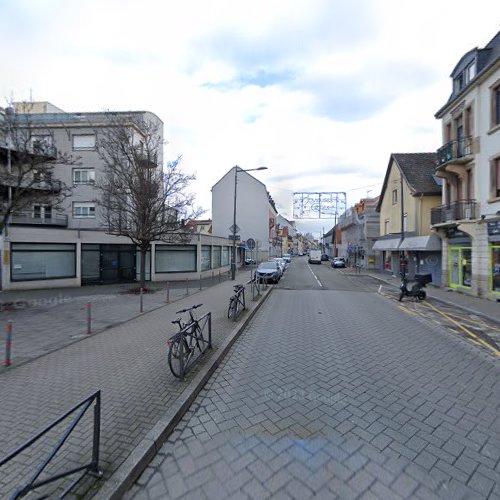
point(128, 363)
point(46, 320)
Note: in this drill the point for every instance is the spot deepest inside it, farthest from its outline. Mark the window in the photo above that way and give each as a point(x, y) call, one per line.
point(83, 176)
point(175, 258)
point(495, 178)
point(394, 196)
point(42, 261)
point(206, 257)
point(495, 271)
point(84, 210)
point(495, 105)
point(216, 256)
point(41, 143)
point(386, 227)
point(42, 211)
point(470, 72)
point(225, 256)
point(84, 142)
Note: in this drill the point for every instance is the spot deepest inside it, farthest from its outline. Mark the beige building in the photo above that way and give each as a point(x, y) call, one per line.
point(409, 192)
point(468, 220)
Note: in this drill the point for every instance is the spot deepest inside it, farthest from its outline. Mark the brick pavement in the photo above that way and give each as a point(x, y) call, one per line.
point(340, 395)
point(46, 320)
point(128, 363)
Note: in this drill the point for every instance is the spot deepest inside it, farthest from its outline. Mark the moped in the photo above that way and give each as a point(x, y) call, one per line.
point(417, 288)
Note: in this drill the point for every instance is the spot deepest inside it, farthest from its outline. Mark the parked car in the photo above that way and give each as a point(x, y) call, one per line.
point(268, 271)
point(338, 262)
point(325, 257)
point(282, 263)
point(250, 262)
point(287, 257)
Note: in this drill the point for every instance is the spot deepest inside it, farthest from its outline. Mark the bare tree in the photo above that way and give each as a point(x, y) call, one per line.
point(140, 197)
point(27, 161)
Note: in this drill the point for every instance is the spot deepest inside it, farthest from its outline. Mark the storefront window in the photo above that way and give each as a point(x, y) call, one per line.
point(206, 257)
point(43, 261)
point(460, 267)
point(171, 258)
point(495, 271)
point(216, 252)
point(388, 260)
point(225, 256)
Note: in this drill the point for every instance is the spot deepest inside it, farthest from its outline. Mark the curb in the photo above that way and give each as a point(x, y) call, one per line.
point(127, 473)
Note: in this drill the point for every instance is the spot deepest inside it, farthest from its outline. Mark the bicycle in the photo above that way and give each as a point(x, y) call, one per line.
point(185, 342)
point(236, 302)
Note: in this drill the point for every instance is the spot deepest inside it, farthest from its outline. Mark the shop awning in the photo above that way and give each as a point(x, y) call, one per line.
point(389, 244)
point(430, 243)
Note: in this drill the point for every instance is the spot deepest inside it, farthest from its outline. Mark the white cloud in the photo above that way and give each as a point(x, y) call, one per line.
point(319, 91)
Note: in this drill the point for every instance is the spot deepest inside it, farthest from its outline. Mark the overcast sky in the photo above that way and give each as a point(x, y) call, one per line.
point(319, 91)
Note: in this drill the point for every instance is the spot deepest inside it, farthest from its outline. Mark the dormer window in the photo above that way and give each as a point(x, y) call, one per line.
point(470, 72)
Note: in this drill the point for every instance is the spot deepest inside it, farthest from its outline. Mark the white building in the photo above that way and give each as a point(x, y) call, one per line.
point(469, 163)
point(255, 214)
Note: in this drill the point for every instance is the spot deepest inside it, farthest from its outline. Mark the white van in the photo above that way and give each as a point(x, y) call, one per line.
point(315, 257)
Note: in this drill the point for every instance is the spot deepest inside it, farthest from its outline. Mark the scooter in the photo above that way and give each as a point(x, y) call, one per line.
point(417, 288)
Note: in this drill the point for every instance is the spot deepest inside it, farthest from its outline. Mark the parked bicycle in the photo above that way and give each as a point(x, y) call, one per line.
point(187, 340)
point(236, 302)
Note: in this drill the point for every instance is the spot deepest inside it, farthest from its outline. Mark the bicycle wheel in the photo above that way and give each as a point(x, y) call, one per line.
point(231, 310)
point(174, 357)
point(201, 343)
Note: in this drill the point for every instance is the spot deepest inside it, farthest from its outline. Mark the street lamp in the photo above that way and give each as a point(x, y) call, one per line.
point(234, 228)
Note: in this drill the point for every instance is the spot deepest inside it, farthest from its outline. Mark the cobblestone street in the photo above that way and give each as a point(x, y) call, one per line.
point(338, 395)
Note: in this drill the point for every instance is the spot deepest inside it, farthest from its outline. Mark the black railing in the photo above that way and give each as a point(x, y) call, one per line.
point(90, 468)
point(458, 210)
point(454, 150)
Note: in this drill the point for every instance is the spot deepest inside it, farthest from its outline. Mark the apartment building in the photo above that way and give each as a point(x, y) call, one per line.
point(468, 220)
point(47, 246)
point(239, 197)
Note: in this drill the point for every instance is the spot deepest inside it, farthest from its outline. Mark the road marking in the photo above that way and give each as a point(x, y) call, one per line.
point(312, 272)
point(466, 330)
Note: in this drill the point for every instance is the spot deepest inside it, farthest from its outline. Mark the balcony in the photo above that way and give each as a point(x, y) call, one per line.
point(460, 152)
point(51, 185)
point(29, 218)
point(456, 211)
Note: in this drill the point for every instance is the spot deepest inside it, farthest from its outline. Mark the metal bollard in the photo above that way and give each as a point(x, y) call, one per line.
point(200, 282)
point(88, 307)
point(212, 278)
point(187, 286)
point(219, 276)
point(8, 344)
point(168, 292)
point(141, 298)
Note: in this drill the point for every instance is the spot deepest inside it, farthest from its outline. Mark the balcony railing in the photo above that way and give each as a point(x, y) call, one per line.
point(456, 150)
point(458, 210)
point(31, 218)
point(53, 185)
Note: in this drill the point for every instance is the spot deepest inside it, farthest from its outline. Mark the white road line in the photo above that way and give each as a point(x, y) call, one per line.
point(319, 282)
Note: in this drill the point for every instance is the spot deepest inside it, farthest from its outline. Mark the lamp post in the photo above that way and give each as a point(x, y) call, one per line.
point(233, 257)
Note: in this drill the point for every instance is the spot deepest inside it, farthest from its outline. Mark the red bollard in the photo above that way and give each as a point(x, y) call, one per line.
point(8, 344)
point(89, 318)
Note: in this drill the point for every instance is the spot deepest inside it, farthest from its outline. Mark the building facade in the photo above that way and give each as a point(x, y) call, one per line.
point(468, 220)
point(48, 247)
point(409, 192)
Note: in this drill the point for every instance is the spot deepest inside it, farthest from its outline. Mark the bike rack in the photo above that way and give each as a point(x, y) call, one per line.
point(203, 322)
point(90, 468)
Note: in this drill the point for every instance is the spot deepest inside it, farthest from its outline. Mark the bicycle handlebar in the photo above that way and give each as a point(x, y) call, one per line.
point(188, 309)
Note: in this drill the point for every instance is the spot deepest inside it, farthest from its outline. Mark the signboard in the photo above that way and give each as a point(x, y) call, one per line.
point(493, 228)
point(234, 228)
point(251, 243)
point(235, 237)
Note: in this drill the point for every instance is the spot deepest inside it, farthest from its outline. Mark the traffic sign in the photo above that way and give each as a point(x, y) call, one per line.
point(234, 228)
point(235, 237)
point(251, 243)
